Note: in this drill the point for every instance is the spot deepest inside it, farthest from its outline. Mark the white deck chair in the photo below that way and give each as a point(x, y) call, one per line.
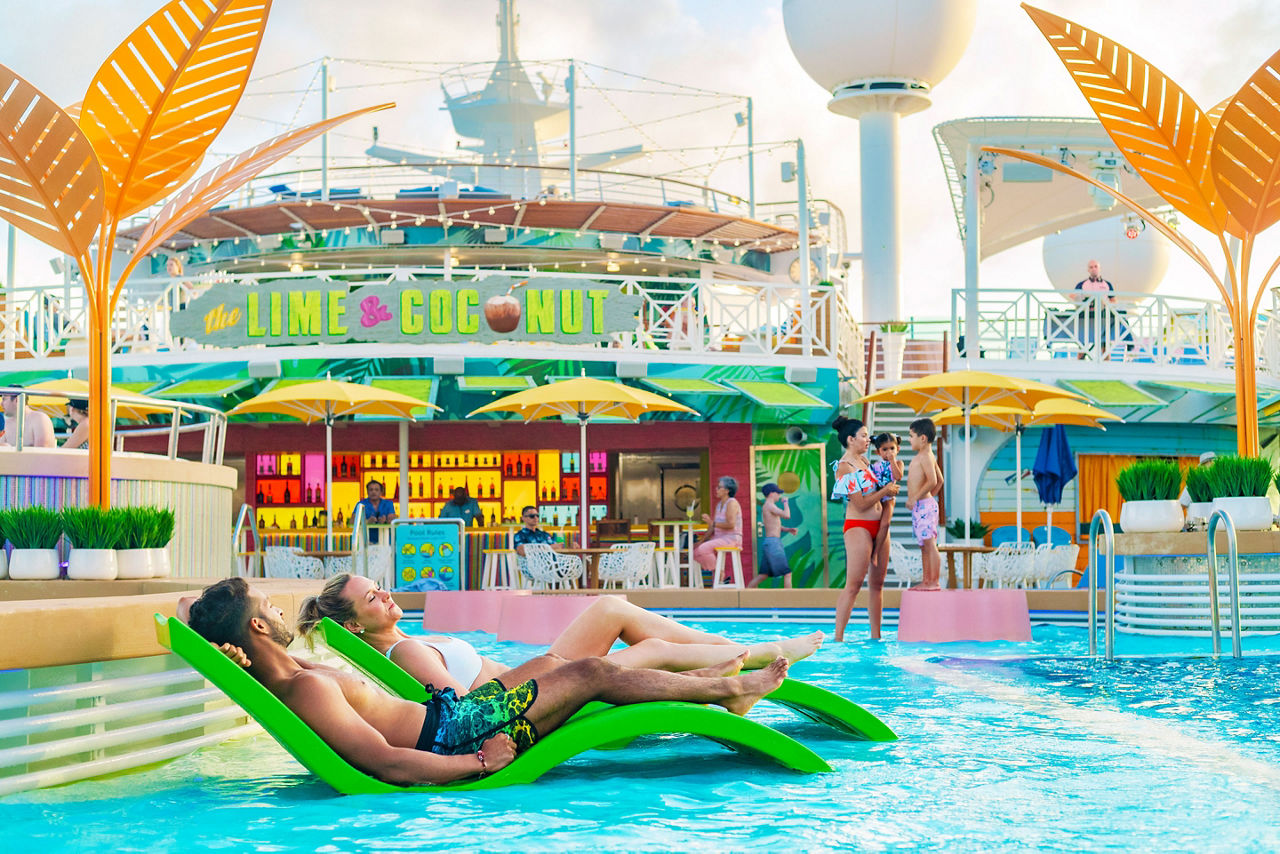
point(550, 569)
point(904, 567)
point(290, 562)
point(628, 565)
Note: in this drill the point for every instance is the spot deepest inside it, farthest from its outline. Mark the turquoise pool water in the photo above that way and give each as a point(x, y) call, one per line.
point(1004, 746)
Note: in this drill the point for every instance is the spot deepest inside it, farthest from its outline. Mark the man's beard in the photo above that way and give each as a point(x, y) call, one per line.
point(280, 634)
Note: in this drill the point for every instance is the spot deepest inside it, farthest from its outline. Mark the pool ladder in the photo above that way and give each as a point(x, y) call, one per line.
point(1102, 520)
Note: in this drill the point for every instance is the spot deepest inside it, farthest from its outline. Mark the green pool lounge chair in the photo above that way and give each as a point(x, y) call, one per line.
point(608, 726)
point(817, 704)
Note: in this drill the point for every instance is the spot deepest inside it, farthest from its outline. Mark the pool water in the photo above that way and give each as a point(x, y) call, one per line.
point(1003, 746)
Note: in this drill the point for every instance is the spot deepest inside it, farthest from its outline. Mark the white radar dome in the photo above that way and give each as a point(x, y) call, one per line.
point(871, 43)
point(1134, 265)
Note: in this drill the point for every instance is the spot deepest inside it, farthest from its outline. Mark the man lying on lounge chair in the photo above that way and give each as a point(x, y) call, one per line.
point(446, 738)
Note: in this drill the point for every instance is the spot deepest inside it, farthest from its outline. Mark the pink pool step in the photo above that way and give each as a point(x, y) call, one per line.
point(953, 615)
point(539, 619)
point(465, 610)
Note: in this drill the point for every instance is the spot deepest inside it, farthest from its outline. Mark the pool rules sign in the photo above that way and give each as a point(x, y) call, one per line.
point(495, 308)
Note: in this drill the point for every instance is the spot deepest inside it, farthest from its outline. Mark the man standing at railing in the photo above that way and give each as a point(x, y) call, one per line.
point(1094, 283)
point(37, 427)
point(377, 510)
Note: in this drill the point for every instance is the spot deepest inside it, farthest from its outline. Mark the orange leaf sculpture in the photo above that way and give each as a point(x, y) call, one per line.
point(1220, 169)
point(50, 183)
point(68, 177)
point(162, 96)
point(209, 188)
point(1246, 153)
point(1161, 130)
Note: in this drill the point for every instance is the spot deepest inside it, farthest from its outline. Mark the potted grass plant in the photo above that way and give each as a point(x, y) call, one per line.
point(1200, 488)
point(156, 538)
point(34, 533)
point(93, 535)
point(1150, 489)
point(1240, 487)
point(956, 533)
point(133, 558)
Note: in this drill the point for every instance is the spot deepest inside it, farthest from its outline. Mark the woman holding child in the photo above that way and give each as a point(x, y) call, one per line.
point(863, 518)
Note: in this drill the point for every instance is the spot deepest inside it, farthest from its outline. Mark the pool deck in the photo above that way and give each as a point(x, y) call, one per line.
point(74, 622)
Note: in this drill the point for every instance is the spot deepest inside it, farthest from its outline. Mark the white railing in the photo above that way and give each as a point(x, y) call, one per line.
point(1027, 325)
point(678, 315)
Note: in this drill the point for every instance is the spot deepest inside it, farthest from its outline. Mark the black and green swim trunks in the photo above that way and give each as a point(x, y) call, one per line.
point(461, 724)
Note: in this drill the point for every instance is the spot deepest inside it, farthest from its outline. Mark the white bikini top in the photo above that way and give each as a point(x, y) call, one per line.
point(460, 658)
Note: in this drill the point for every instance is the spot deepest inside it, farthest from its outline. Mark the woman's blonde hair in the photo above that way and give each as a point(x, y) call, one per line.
point(331, 603)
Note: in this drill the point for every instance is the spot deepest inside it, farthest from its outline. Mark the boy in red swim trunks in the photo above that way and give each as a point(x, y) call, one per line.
point(924, 483)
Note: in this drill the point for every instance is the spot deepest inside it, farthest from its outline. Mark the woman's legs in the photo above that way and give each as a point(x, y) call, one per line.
point(611, 618)
point(857, 550)
point(659, 654)
point(705, 553)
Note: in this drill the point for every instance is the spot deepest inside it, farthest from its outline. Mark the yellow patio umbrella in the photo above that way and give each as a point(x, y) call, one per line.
point(967, 390)
point(325, 400)
point(51, 396)
point(583, 398)
point(1049, 411)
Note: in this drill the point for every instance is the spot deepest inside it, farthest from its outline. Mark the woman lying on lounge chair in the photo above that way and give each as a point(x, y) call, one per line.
point(652, 641)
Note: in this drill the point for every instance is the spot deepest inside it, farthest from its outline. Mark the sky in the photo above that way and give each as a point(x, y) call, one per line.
point(736, 46)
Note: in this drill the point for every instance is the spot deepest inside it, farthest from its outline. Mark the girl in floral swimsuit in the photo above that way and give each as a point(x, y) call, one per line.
point(861, 524)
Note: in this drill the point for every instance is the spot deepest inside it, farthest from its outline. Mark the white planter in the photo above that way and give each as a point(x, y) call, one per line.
point(92, 564)
point(1199, 510)
point(160, 567)
point(1151, 517)
point(892, 346)
point(4, 563)
point(1248, 513)
point(135, 563)
point(34, 564)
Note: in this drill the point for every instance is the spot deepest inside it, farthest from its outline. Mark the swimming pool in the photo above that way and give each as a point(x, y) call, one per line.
point(998, 750)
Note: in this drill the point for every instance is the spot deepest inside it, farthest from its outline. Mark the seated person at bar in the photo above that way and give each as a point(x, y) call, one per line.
point(37, 427)
point(78, 415)
point(446, 738)
point(463, 507)
point(377, 510)
point(530, 533)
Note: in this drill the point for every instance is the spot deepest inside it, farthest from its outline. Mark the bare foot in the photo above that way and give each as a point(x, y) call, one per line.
point(754, 685)
point(732, 667)
point(925, 587)
point(792, 649)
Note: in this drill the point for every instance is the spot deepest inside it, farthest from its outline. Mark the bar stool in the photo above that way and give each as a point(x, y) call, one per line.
point(666, 567)
point(500, 571)
point(734, 552)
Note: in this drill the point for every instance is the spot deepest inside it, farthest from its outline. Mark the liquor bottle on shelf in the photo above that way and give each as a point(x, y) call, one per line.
point(275, 522)
point(259, 494)
point(293, 523)
point(262, 523)
point(266, 496)
point(335, 469)
point(493, 520)
point(544, 493)
point(439, 489)
point(307, 494)
point(290, 467)
point(288, 496)
point(344, 466)
point(315, 520)
point(339, 519)
point(420, 486)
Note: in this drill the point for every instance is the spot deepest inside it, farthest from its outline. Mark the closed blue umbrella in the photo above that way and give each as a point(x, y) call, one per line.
point(1054, 468)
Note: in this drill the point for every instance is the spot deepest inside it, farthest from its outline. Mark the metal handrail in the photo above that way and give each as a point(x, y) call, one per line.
point(1102, 519)
point(1233, 582)
point(246, 512)
point(360, 539)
